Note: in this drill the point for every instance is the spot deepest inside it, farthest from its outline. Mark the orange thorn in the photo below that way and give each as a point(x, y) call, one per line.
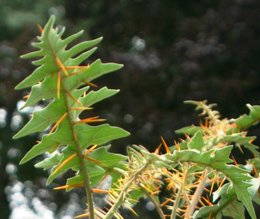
point(206, 189)
point(61, 66)
point(100, 191)
point(58, 122)
point(155, 192)
point(88, 151)
point(81, 108)
point(40, 28)
point(255, 171)
point(187, 136)
point(157, 150)
point(90, 84)
point(74, 99)
point(90, 120)
point(240, 148)
point(165, 202)
point(81, 69)
point(102, 180)
point(82, 215)
point(75, 73)
point(207, 122)
point(222, 182)
point(96, 162)
point(207, 201)
point(212, 185)
point(217, 180)
point(68, 186)
point(64, 163)
point(168, 151)
point(177, 145)
point(71, 67)
point(26, 96)
point(201, 202)
point(233, 158)
point(58, 85)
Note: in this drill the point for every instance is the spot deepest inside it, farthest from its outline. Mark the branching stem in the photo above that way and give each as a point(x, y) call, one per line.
point(123, 192)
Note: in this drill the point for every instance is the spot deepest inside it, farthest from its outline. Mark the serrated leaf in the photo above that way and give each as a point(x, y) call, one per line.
point(107, 158)
point(43, 119)
point(96, 96)
point(218, 159)
point(227, 207)
point(95, 174)
point(95, 70)
point(102, 134)
point(50, 142)
point(79, 48)
point(60, 82)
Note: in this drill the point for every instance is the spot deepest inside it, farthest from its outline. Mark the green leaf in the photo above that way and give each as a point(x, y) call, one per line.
point(96, 96)
point(227, 205)
point(50, 142)
point(60, 82)
point(95, 174)
point(196, 141)
point(102, 134)
point(244, 121)
point(254, 111)
point(107, 158)
point(49, 162)
point(239, 139)
point(43, 119)
point(96, 70)
point(79, 48)
point(218, 159)
point(73, 162)
point(189, 130)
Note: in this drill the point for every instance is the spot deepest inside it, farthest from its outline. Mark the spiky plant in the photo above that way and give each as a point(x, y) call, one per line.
point(199, 173)
point(65, 85)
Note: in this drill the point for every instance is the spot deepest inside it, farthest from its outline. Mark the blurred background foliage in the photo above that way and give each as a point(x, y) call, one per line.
point(173, 50)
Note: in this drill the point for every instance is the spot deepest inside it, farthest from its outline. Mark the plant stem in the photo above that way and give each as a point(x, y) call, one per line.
point(196, 196)
point(79, 151)
point(84, 170)
point(178, 197)
point(123, 192)
point(156, 204)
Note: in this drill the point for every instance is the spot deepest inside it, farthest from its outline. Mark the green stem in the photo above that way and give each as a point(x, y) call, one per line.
point(84, 171)
point(123, 192)
point(178, 197)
